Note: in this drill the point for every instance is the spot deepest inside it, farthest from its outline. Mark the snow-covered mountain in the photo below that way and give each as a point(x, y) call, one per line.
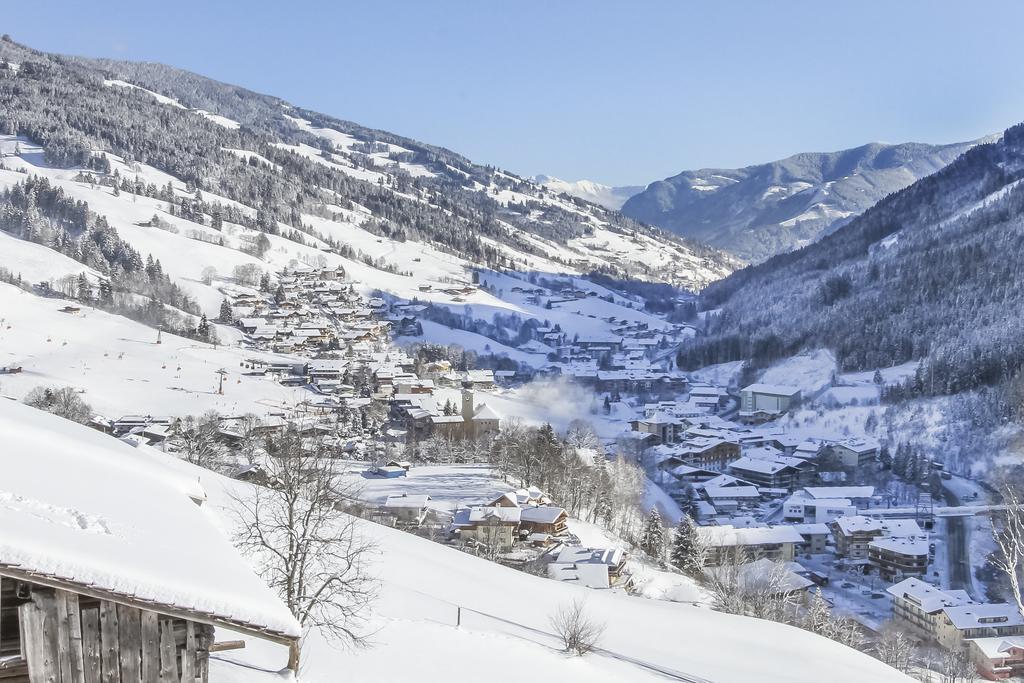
point(292, 169)
point(766, 209)
point(929, 275)
point(596, 193)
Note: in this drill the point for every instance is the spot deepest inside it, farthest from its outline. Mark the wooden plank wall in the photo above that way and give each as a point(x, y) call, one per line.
point(68, 640)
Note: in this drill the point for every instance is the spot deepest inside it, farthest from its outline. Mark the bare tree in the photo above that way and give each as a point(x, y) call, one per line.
point(894, 647)
point(65, 402)
point(311, 551)
point(758, 589)
point(956, 667)
point(195, 439)
point(1009, 555)
point(578, 631)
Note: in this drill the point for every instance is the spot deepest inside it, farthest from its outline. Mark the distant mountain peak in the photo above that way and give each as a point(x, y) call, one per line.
point(765, 209)
point(608, 196)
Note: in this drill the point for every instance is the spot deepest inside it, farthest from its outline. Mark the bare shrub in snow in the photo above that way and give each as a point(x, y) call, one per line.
point(578, 632)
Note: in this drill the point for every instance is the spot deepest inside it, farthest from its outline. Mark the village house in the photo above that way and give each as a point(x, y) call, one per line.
point(590, 567)
point(708, 452)
point(491, 526)
point(822, 504)
point(545, 519)
point(407, 510)
point(815, 538)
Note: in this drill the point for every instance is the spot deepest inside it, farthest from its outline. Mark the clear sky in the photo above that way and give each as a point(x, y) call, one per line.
point(620, 92)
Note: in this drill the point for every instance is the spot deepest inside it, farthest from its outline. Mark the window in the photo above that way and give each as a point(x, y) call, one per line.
point(12, 594)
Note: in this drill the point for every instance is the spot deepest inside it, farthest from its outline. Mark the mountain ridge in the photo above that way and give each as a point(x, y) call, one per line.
point(764, 209)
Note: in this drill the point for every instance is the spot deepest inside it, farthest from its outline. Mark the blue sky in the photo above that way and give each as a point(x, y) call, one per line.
point(619, 92)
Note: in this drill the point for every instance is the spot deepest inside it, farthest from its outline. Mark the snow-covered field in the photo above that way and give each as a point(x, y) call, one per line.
point(118, 365)
point(449, 486)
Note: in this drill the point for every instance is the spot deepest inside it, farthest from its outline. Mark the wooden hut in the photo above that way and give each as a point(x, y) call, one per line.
point(110, 569)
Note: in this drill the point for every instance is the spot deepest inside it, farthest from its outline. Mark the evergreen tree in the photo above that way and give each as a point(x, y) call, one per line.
point(226, 316)
point(686, 554)
point(204, 328)
point(84, 288)
point(652, 538)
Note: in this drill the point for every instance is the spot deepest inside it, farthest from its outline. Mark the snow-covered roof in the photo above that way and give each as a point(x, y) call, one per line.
point(988, 614)
point(758, 465)
point(404, 500)
point(483, 515)
point(546, 514)
point(772, 389)
point(579, 555)
point(485, 412)
point(862, 444)
point(839, 491)
point(902, 546)
point(927, 597)
point(728, 535)
point(898, 528)
point(84, 511)
point(997, 647)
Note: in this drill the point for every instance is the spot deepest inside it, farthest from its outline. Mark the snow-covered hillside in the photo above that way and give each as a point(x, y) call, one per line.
point(766, 209)
point(424, 588)
point(280, 165)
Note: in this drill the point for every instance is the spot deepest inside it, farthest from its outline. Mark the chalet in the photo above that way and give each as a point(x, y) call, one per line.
point(772, 473)
point(590, 567)
point(545, 519)
point(708, 452)
point(491, 526)
point(127, 587)
point(407, 510)
point(989, 620)
point(663, 426)
point(997, 658)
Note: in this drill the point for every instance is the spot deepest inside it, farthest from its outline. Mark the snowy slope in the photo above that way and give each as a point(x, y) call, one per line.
point(119, 366)
point(505, 613)
point(120, 522)
point(402, 267)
